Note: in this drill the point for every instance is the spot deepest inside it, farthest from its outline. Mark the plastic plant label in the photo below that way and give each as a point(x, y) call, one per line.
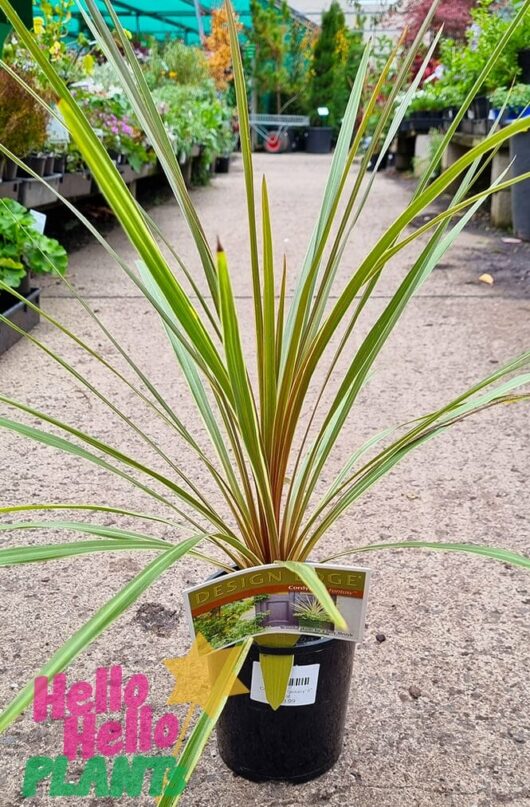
point(40, 221)
point(301, 689)
point(57, 133)
point(273, 599)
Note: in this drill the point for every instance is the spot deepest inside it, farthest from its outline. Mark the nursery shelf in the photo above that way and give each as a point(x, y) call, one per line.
point(10, 189)
point(34, 194)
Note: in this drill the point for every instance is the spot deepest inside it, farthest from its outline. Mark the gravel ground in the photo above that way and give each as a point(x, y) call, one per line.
point(456, 627)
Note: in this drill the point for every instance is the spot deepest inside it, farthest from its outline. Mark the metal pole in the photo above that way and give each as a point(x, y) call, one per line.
point(200, 26)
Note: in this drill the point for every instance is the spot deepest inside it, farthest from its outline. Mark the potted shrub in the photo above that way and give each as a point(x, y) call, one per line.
point(265, 461)
point(515, 100)
point(23, 252)
point(22, 124)
point(326, 61)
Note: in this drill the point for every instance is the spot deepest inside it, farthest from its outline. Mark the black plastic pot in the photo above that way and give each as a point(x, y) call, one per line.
point(37, 164)
point(293, 743)
point(373, 162)
point(222, 165)
point(59, 164)
point(319, 139)
point(20, 314)
point(480, 107)
point(520, 153)
point(523, 60)
point(49, 164)
point(10, 170)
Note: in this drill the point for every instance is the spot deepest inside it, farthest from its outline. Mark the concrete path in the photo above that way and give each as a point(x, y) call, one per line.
point(456, 627)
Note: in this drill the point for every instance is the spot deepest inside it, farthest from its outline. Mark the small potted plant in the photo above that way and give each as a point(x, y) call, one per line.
point(23, 252)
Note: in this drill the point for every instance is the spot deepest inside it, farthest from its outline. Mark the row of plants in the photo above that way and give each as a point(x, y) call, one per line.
point(195, 109)
point(459, 63)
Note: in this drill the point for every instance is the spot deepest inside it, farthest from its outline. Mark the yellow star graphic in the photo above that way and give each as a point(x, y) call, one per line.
point(196, 672)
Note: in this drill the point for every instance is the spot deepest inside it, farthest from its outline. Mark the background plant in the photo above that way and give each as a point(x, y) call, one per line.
point(176, 63)
point(23, 122)
point(454, 15)
point(217, 46)
point(23, 249)
point(328, 57)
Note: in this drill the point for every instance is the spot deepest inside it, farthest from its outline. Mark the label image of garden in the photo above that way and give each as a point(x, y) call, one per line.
point(270, 599)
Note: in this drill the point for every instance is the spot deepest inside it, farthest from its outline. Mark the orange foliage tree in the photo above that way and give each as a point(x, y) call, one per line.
point(217, 46)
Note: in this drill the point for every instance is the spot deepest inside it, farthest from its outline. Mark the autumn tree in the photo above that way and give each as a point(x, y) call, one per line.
point(217, 46)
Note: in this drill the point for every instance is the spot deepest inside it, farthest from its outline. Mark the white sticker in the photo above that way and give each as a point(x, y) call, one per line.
point(301, 690)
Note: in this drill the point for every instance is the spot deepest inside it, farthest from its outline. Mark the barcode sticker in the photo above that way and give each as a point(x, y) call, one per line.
point(301, 689)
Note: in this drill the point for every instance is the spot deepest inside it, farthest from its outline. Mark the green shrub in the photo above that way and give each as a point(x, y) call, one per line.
point(23, 249)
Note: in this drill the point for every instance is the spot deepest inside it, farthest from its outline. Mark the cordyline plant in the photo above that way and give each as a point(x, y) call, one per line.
point(263, 465)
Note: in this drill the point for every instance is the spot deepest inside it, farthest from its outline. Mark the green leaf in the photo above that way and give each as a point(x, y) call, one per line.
point(205, 725)
point(38, 554)
point(246, 152)
point(503, 555)
point(91, 529)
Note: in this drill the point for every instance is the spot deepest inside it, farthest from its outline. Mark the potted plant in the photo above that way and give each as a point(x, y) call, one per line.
point(265, 461)
point(23, 252)
point(326, 60)
point(515, 100)
point(22, 123)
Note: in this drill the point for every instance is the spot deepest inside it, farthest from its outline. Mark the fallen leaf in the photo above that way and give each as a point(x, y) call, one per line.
point(487, 279)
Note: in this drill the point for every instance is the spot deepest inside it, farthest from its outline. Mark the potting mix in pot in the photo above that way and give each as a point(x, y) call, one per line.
point(276, 628)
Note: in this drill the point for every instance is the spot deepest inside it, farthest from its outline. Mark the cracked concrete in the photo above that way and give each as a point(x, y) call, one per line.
point(456, 627)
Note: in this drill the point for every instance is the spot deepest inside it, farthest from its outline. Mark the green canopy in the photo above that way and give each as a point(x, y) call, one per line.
point(24, 9)
point(188, 20)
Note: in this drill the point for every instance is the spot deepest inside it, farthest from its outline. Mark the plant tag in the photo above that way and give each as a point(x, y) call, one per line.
point(57, 133)
point(301, 689)
point(272, 599)
point(40, 221)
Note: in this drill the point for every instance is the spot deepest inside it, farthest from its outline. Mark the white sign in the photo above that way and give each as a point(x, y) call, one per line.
point(301, 689)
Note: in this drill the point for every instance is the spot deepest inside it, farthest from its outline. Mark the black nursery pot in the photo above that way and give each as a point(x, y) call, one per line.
point(10, 170)
point(59, 164)
point(319, 139)
point(523, 60)
point(222, 165)
point(294, 743)
point(37, 164)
